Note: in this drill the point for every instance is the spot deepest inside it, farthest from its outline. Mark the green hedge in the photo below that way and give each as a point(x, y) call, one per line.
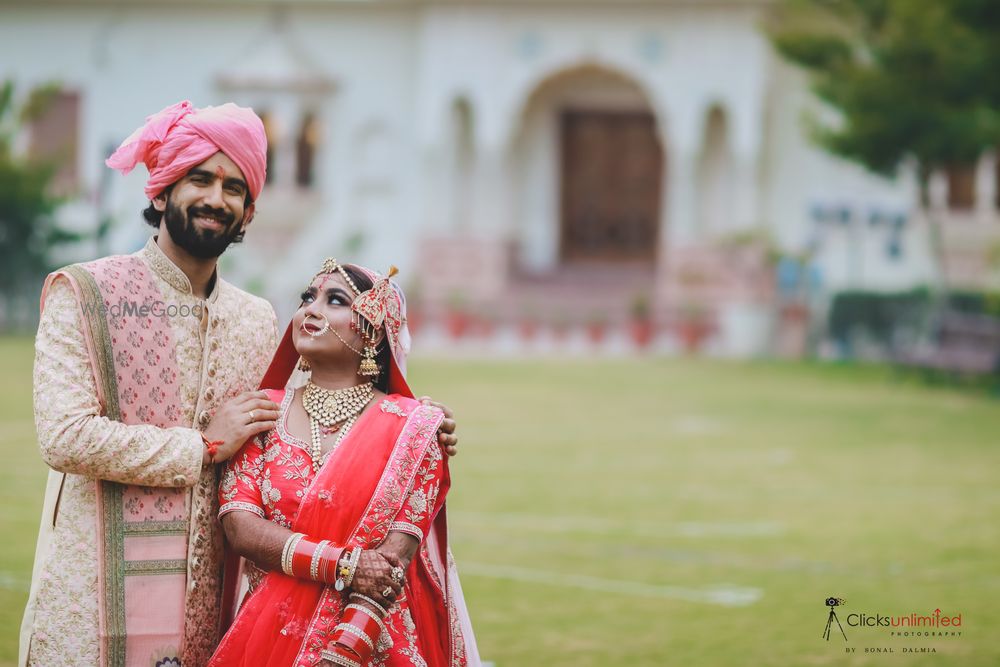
point(881, 315)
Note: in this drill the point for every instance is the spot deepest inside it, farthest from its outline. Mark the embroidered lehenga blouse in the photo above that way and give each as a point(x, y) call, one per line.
point(272, 475)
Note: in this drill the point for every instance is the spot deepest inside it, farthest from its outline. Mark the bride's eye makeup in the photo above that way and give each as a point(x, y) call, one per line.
point(333, 296)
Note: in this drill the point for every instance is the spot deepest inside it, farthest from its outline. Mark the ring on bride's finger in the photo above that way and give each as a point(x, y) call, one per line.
point(397, 574)
point(252, 418)
point(387, 593)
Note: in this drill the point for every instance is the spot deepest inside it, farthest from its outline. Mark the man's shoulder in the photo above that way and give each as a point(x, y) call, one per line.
point(96, 266)
point(56, 287)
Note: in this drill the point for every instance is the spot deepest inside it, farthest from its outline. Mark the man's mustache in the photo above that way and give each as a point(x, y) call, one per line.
point(221, 215)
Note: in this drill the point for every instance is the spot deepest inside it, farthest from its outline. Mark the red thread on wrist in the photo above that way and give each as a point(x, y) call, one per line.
point(212, 446)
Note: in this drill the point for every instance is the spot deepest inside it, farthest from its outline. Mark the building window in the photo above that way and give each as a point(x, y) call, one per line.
point(962, 186)
point(54, 136)
point(305, 151)
point(269, 132)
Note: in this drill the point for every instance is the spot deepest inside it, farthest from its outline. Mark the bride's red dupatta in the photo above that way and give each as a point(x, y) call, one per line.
point(352, 502)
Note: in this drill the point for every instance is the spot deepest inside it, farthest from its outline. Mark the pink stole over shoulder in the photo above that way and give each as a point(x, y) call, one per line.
point(142, 531)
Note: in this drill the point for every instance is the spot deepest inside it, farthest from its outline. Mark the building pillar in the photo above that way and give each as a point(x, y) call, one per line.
point(679, 219)
point(744, 211)
point(986, 186)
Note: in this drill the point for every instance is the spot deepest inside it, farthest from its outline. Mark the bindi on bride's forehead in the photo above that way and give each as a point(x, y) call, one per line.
point(324, 281)
point(330, 280)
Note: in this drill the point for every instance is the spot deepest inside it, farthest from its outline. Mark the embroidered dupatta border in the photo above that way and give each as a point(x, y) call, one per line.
point(110, 493)
point(419, 432)
point(100, 336)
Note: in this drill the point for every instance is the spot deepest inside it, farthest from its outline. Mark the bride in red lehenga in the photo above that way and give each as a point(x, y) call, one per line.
point(339, 511)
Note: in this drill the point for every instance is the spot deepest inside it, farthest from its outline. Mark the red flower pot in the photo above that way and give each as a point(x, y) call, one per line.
point(596, 332)
point(641, 332)
point(458, 324)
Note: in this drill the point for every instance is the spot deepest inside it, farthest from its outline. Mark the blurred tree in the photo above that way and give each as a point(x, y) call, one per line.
point(911, 81)
point(27, 230)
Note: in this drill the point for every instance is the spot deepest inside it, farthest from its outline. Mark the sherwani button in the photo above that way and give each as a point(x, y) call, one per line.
point(179, 480)
point(204, 418)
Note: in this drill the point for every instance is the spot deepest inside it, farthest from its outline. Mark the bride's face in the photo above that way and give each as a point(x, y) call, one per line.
point(325, 308)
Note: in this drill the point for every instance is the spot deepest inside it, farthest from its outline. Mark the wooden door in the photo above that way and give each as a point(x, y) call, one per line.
point(612, 170)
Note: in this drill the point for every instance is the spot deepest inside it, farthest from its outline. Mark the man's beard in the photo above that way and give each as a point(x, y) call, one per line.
point(200, 242)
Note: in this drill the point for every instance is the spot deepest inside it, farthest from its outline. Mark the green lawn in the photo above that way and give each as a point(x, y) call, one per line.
point(676, 512)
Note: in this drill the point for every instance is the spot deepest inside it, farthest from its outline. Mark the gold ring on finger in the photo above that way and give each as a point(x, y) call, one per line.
point(252, 418)
point(397, 574)
point(387, 593)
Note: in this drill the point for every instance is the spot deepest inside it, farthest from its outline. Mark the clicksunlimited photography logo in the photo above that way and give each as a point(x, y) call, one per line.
point(914, 624)
point(913, 632)
point(832, 603)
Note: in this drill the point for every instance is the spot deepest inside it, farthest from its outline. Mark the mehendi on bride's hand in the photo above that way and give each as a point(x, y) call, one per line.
point(373, 577)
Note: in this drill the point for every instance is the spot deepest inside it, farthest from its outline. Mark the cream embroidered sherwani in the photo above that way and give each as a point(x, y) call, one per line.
point(220, 354)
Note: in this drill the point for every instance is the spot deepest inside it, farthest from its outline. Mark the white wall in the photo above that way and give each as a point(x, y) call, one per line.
point(397, 71)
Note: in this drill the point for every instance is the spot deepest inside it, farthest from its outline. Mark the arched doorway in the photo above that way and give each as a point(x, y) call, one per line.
point(590, 168)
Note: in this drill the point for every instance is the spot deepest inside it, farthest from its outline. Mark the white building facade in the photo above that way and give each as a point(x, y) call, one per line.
point(515, 158)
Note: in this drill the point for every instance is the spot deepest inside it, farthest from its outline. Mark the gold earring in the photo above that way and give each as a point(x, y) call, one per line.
point(304, 364)
point(368, 367)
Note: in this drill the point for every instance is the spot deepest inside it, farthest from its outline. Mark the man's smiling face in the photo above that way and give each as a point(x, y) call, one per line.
point(204, 211)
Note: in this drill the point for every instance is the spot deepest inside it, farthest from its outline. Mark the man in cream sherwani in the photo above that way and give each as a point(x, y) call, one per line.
point(128, 565)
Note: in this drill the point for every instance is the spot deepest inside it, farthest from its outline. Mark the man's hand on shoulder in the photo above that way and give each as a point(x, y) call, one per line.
point(239, 419)
point(446, 433)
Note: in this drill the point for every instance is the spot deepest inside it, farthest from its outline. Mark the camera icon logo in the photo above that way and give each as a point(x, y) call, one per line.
point(832, 603)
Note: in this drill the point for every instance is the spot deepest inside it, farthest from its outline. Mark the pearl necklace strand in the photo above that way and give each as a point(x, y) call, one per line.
point(327, 407)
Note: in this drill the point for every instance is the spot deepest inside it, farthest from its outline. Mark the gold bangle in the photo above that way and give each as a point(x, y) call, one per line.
point(355, 559)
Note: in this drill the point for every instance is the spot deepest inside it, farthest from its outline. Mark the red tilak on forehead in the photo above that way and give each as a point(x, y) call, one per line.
point(325, 278)
point(219, 171)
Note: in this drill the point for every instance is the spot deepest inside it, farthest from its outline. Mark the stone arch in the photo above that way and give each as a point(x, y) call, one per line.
point(518, 102)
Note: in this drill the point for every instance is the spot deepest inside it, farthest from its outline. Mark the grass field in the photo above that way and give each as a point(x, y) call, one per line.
point(678, 512)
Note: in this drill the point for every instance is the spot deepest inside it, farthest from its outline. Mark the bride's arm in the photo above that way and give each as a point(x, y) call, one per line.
point(256, 539)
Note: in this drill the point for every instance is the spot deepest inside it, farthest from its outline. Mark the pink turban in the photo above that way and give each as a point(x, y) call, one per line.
point(180, 137)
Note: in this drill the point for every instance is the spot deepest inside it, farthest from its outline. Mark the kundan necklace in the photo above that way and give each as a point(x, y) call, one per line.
point(326, 407)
